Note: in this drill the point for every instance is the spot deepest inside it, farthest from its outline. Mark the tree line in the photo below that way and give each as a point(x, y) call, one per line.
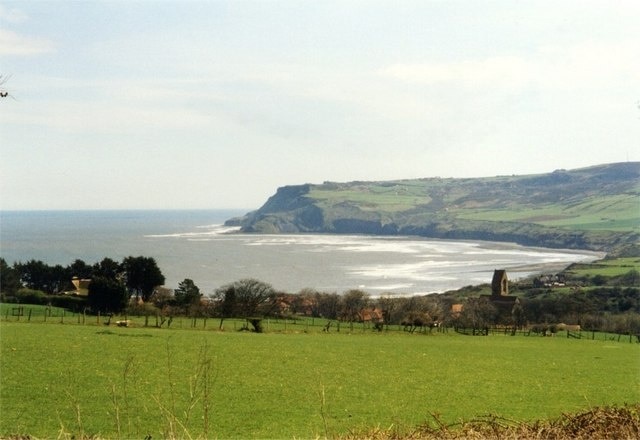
point(113, 284)
point(134, 285)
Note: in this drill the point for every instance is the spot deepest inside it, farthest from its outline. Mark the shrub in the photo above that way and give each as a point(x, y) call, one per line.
point(107, 295)
point(31, 296)
point(598, 423)
point(142, 309)
point(73, 303)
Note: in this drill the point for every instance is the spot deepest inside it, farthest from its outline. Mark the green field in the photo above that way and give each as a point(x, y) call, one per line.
point(595, 208)
point(607, 267)
point(613, 213)
point(130, 382)
point(392, 198)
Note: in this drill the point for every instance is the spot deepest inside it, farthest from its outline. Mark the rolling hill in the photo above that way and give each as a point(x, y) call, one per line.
point(595, 208)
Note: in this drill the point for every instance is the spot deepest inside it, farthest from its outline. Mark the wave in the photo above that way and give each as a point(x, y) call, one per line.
point(380, 265)
point(212, 231)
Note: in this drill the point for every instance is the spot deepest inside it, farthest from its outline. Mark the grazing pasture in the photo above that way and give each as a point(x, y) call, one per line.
point(130, 382)
point(606, 267)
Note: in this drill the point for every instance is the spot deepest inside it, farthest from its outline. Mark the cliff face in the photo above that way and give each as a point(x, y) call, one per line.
point(289, 210)
point(591, 208)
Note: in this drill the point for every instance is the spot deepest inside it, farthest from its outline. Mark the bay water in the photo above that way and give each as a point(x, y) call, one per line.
point(194, 244)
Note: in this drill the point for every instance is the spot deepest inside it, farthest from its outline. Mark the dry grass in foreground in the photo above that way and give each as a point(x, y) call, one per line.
point(598, 423)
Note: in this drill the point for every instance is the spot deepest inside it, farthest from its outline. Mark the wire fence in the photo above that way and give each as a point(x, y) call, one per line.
point(29, 313)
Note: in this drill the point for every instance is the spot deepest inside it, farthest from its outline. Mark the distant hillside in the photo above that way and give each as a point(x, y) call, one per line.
point(595, 208)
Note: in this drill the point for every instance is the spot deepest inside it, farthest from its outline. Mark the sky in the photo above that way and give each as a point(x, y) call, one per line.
point(215, 104)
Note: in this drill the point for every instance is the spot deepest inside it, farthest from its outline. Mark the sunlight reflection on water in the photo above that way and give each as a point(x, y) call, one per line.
point(193, 244)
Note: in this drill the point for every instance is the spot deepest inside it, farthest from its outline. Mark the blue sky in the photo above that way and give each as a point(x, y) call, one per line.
point(215, 104)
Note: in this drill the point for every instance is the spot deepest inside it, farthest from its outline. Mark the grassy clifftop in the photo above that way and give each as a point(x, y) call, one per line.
point(591, 208)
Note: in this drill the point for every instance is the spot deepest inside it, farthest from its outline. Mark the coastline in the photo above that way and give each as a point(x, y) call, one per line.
point(188, 244)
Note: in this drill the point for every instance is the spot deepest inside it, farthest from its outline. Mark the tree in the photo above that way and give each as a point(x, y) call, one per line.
point(187, 293)
point(352, 302)
point(518, 316)
point(142, 276)
point(35, 274)
point(328, 305)
point(478, 314)
point(246, 298)
point(59, 279)
point(4, 92)
point(107, 296)
point(226, 298)
point(9, 278)
point(80, 269)
point(107, 268)
point(415, 320)
point(304, 302)
point(631, 278)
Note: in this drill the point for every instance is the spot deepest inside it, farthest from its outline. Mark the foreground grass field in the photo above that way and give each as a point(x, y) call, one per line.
point(59, 380)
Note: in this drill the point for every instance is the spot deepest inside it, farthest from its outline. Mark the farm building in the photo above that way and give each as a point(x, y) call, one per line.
point(81, 287)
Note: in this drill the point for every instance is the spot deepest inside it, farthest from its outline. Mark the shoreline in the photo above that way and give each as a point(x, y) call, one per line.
point(202, 249)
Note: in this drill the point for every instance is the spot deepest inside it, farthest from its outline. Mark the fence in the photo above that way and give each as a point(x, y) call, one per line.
point(48, 314)
point(580, 334)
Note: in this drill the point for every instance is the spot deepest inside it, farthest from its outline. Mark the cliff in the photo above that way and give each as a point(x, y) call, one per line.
point(593, 208)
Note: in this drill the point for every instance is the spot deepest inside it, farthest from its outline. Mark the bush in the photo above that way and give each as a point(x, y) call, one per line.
point(142, 309)
point(31, 296)
point(631, 278)
point(73, 303)
point(107, 296)
point(597, 423)
point(599, 280)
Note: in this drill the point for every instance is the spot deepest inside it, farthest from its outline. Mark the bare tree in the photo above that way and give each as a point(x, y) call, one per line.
point(247, 298)
point(478, 314)
point(4, 93)
point(351, 303)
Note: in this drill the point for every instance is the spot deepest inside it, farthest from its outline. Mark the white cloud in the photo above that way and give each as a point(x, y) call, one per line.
point(12, 43)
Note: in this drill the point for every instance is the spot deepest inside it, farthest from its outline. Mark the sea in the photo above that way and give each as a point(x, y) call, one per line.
point(195, 244)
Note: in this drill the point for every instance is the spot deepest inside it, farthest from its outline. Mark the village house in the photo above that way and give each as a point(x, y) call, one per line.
point(81, 287)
